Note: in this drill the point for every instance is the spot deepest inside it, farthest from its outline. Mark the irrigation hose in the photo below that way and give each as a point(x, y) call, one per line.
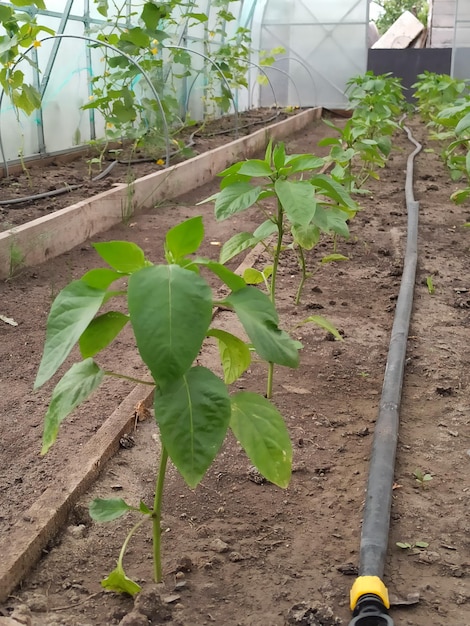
point(369, 596)
point(55, 192)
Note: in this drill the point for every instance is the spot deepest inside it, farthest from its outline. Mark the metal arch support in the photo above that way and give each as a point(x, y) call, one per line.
point(120, 52)
point(304, 65)
point(214, 64)
point(277, 69)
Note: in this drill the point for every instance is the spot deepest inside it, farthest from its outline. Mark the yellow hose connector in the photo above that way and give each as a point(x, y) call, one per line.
point(368, 584)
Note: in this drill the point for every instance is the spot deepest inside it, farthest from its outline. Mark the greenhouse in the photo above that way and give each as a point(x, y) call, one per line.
point(234, 312)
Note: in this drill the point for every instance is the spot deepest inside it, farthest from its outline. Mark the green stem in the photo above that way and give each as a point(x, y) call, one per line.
point(303, 268)
point(278, 248)
point(133, 380)
point(128, 538)
point(277, 254)
point(157, 518)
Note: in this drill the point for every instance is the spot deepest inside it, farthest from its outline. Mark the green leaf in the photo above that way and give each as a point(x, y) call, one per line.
point(331, 258)
point(463, 125)
point(71, 312)
point(403, 545)
point(170, 309)
point(421, 544)
point(306, 236)
point(384, 144)
point(184, 239)
point(262, 432)
point(151, 15)
point(319, 320)
point(102, 510)
point(304, 162)
point(260, 321)
point(255, 168)
point(101, 331)
point(264, 230)
point(253, 276)
point(234, 354)
point(333, 190)
point(27, 3)
point(332, 220)
point(27, 98)
point(279, 155)
point(232, 280)
point(123, 256)
point(136, 36)
point(193, 415)
point(297, 199)
point(100, 278)
point(73, 388)
point(118, 581)
point(235, 198)
point(237, 244)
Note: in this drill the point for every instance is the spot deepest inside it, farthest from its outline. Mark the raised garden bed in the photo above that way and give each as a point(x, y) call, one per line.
point(248, 552)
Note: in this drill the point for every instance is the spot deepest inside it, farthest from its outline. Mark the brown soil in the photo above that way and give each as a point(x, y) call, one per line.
point(58, 174)
point(240, 553)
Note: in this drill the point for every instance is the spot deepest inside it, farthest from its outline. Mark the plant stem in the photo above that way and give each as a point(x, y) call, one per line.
point(303, 267)
point(133, 380)
point(277, 251)
point(157, 517)
point(277, 254)
point(128, 538)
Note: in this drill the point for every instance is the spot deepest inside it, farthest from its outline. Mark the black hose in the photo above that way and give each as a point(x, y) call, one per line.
point(368, 591)
point(55, 192)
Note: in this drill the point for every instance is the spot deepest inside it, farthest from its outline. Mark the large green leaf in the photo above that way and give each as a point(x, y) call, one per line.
point(101, 331)
point(232, 280)
point(170, 309)
point(184, 238)
point(235, 198)
point(262, 432)
point(333, 190)
point(193, 414)
point(463, 125)
point(118, 581)
point(73, 388)
point(234, 354)
point(101, 278)
point(255, 168)
point(102, 510)
point(260, 321)
point(332, 220)
point(297, 199)
point(123, 256)
point(306, 236)
point(71, 312)
point(237, 244)
point(304, 162)
point(264, 230)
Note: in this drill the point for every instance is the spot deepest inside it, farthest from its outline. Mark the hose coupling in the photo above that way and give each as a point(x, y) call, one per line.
point(370, 611)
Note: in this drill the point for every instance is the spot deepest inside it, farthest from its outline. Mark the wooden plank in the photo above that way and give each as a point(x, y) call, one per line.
point(22, 546)
point(401, 33)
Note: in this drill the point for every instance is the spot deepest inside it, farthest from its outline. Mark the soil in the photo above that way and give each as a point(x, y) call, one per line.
point(59, 174)
point(238, 551)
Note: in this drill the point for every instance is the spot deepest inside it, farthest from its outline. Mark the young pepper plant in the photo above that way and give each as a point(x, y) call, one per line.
point(307, 206)
point(170, 308)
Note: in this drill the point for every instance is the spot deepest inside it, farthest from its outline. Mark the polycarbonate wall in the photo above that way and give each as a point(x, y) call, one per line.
point(461, 46)
point(325, 42)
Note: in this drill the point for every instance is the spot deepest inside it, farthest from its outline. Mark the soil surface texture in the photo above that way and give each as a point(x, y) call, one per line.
point(238, 551)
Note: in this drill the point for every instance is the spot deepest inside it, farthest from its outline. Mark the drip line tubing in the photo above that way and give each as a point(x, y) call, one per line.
point(369, 596)
point(55, 192)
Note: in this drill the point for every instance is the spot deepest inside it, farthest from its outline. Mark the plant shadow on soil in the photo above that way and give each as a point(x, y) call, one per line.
point(238, 551)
